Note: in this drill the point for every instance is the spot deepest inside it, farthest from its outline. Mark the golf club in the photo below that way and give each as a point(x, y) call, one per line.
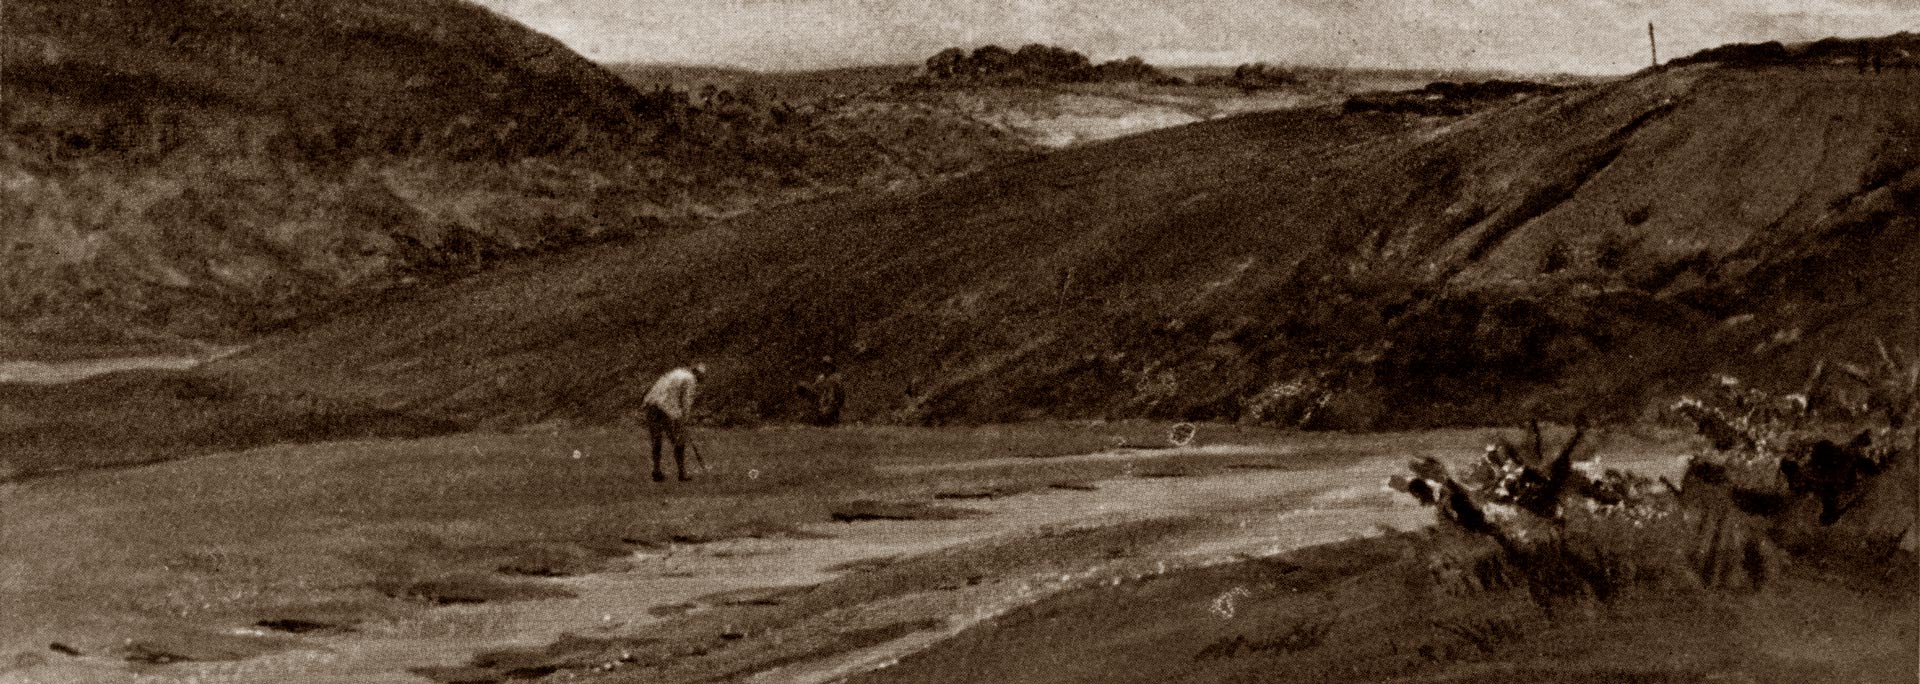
point(698, 455)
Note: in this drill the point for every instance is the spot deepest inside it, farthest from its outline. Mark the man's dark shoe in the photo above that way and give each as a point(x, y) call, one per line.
point(659, 476)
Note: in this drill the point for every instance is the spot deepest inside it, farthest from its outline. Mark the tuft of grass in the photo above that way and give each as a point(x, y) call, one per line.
point(466, 589)
point(552, 559)
point(301, 626)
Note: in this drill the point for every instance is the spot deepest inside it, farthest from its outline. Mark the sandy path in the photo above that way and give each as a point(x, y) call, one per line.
point(1265, 513)
point(615, 601)
point(1119, 454)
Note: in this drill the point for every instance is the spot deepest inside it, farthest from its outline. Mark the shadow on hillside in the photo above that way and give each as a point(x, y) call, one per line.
point(135, 418)
point(1447, 98)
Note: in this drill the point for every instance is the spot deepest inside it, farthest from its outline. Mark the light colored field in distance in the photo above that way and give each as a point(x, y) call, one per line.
point(1056, 115)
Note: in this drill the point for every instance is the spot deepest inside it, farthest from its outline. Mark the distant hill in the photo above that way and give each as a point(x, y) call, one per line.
point(1574, 252)
point(438, 76)
point(1900, 50)
point(190, 171)
point(1051, 98)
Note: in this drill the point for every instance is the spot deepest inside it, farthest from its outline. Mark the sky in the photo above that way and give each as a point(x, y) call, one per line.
point(1565, 36)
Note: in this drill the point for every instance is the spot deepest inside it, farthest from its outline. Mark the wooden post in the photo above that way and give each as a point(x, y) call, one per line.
point(1653, 44)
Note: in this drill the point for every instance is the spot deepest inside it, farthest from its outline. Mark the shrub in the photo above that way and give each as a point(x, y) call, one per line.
point(1291, 403)
point(1768, 490)
point(1557, 257)
point(1613, 250)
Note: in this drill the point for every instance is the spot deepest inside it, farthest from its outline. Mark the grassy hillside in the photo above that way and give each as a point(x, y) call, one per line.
point(794, 86)
point(1586, 250)
point(204, 170)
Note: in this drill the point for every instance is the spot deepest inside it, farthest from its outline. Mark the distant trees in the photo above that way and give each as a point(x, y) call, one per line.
point(1047, 61)
point(1036, 64)
point(1133, 69)
point(1253, 76)
point(1260, 76)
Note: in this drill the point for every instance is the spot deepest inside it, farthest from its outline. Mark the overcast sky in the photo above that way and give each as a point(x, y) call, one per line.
point(1579, 36)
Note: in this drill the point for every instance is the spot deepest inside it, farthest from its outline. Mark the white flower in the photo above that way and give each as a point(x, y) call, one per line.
point(1499, 512)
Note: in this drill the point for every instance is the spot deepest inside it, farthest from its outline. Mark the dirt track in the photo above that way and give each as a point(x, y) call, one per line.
point(1249, 512)
point(1026, 547)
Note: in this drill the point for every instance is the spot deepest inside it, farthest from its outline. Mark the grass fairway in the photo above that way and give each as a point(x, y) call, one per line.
point(177, 555)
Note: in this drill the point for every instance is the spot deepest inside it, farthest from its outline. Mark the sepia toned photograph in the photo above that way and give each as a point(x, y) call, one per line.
point(959, 341)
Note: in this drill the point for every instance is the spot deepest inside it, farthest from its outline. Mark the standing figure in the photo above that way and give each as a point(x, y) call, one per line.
point(827, 394)
point(669, 405)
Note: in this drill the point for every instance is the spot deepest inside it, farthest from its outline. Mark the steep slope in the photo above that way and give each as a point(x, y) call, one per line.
point(1578, 252)
point(383, 70)
point(199, 167)
point(203, 170)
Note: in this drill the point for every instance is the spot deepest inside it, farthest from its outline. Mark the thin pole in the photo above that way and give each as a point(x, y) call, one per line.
point(1653, 44)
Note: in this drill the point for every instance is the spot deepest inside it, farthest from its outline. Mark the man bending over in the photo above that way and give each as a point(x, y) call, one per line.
point(669, 404)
